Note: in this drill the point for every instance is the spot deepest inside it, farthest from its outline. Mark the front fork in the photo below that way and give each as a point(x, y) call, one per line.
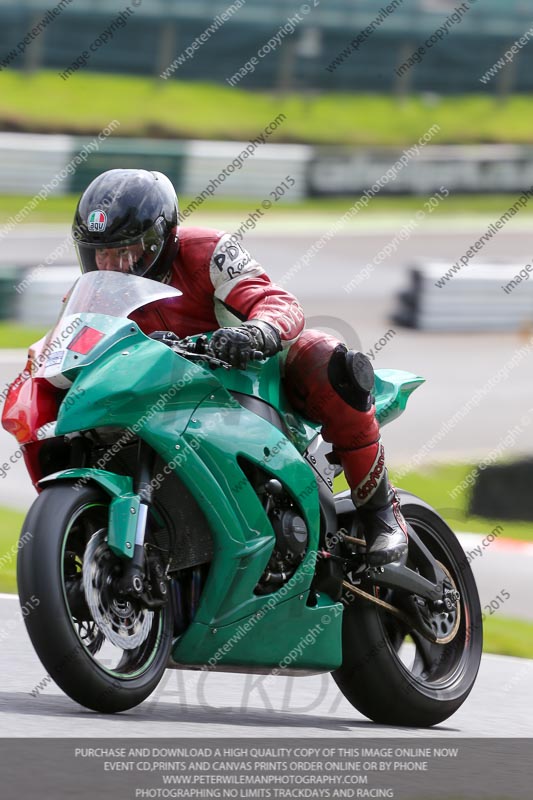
point(133, 579)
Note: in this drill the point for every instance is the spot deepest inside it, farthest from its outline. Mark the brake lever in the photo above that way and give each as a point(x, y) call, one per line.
point(188, 352)
point(212, 361)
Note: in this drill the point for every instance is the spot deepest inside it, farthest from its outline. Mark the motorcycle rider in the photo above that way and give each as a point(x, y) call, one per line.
point(127, 220)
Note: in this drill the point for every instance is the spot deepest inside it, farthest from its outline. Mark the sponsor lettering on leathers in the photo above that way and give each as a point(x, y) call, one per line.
point(230, 263)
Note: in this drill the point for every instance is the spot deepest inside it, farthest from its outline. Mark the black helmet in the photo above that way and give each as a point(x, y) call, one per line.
point(128, 217)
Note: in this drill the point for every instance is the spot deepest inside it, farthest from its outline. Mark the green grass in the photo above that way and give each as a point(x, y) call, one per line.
point(508, 637)
point(501, 635)
point(176, 109)
point(14, 335)
point(10, 527)
point(51, 210)
point(60, 210)
point(433, 485)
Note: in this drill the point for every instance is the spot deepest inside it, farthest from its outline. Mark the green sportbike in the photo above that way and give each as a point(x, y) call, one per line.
point(187, 518)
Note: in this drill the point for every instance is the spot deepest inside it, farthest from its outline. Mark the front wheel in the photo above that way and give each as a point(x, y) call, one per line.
point(395, 676)
point(107, 653)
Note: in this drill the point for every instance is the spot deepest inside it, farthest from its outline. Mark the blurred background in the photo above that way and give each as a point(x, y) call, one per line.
point(377, 160)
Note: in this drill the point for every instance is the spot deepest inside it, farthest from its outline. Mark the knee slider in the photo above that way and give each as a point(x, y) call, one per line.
point(351, 375)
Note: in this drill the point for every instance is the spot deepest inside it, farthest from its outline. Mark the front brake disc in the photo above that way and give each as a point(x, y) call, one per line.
point(122, 620)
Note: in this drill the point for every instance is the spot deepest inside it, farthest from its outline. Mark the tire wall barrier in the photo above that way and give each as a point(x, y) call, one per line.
point(503, 491)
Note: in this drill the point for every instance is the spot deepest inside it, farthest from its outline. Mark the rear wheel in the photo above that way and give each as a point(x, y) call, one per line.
point(106, 652)
point(391, 673)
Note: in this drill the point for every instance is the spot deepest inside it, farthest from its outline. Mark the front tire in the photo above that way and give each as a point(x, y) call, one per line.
point(68, 642)
point(377, 677)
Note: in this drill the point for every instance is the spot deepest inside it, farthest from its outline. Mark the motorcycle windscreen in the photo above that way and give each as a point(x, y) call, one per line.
point(113, 294)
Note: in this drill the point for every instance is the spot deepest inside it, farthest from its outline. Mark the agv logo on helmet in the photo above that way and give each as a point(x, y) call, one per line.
point(97, 221)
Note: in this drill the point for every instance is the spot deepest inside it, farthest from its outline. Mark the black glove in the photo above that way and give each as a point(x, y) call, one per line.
point(239, 345)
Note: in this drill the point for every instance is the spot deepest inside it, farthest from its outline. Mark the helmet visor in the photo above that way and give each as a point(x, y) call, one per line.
point(134, 256)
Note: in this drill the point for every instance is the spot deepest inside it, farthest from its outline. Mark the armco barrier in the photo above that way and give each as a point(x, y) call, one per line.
point(41, 299)
point(163, 155)
point(461, 168)
point(190, 164)
point(259, 174)
point(28, 162)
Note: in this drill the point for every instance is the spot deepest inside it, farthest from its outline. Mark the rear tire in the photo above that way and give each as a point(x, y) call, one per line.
point(373, 676)
point(60, 523)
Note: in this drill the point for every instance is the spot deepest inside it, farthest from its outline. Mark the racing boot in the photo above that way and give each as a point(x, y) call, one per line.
point(385, 526)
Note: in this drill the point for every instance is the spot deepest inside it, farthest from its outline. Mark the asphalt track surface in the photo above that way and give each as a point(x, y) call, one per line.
point(187, 704)
point(455, 367)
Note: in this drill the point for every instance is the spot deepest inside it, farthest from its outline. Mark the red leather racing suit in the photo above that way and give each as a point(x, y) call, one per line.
point(221, 285)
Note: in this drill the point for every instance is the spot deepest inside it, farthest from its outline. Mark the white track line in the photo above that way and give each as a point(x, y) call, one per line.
point(521, 547)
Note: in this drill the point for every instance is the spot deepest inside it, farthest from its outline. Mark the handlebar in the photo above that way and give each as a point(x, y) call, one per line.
point(197, 349)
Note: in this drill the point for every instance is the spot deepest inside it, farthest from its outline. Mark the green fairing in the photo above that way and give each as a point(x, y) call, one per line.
point(114, 485)
point(200, 432)
point(130, 382)
point(262, 379)
point(123, 516)
point(280, 636)
point(392, 390)
point(122, 520)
